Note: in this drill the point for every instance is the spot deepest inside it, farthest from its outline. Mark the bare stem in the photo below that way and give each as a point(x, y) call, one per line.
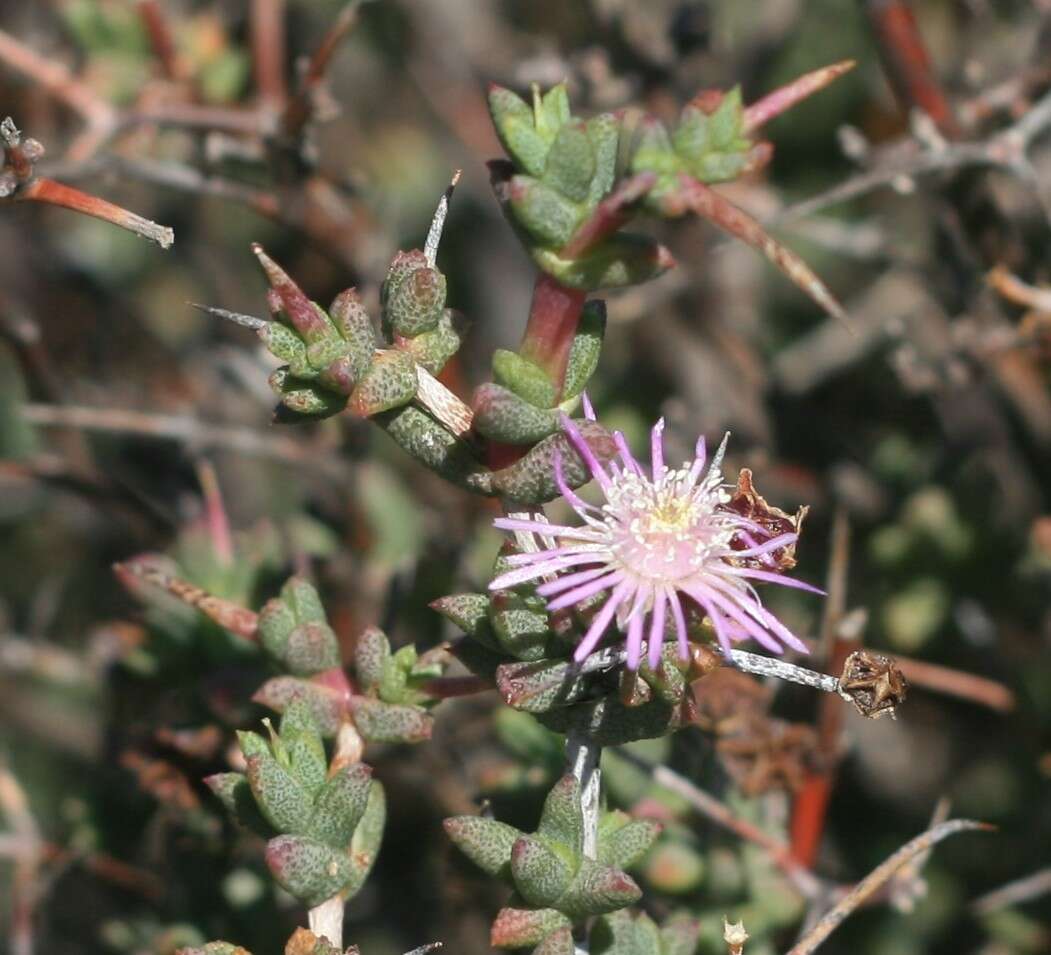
point(876, 878)
point(326, 920)
point(582, 760)
point(706, 804)
point(57, 194)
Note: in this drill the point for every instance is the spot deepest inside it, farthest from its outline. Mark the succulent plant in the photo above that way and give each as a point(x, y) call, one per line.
point(556, 886)
point(323, 822)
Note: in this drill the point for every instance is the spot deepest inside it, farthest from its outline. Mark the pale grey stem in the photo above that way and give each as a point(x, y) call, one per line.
point(326, 920)
point(423, 949)
point(771, 666)
point(582, 760)
point(434, 236)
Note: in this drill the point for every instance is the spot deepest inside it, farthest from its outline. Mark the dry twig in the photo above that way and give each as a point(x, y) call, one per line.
point(876, 879)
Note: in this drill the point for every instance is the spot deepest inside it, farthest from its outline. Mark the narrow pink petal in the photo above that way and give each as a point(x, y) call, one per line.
point(657, 449)
point(700, 455)
point(680, 619)
point(771, 545)
point(771, 577)
point(601, 621)
point(752, 605)
point(589, 411)
point(560, 584)
point(513, 578)
point(749, 625)
point(752, 542)
point(549, 530)
point(584, 450)
point(786, 635)
point(714, 615)
point(656, 635)
point(635, 640)
point(575, 500)
point(585, 590)
point(625, 453)
point(537, 557)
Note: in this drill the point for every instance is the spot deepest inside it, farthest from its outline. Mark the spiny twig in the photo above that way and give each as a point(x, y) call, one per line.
point(19, 183)
point(875, 879)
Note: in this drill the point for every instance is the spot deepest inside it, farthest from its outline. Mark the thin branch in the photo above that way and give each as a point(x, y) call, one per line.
point(158, 30)
point(56, 194)
point(1017, 892)
point(707, 805)
point(18, 183)
point(184, 429)
point(55, 79)
point(301, 104)
point(267, 29)
point(877, 878)
point(14, 807)
point(911, 158)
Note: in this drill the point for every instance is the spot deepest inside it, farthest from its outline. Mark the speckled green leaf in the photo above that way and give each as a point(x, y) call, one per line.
point(415, 305)
point(311, 648)
point(531, 480)
point(597, 889)
point(516, 927)
point(432, 445)
point(370, 657)
point(380, 722)
point(281, 799)
point(534, 687)
point(485, 842)
point(309, 870)
point(390, 382)
point(546, 214)
point(515, 127)
point(234, 792)
point(570, 163)
point(559, 942)
point(326, 703)
point(540, 874)
point(561, 820)
point(368, 836)
point(339, 805)
point(433, 349)
point(623, 841)
point(586, 348)
point(500, 415)
point(623, 259)
point(525, 378)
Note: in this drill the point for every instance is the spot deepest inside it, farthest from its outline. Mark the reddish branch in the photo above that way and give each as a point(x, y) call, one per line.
point(18, 183)
point(907, 63)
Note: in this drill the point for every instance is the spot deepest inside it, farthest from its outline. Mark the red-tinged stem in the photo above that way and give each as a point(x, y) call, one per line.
point(56, 80)
point(808, 818)
point(159, 32)
point(268, 51)
point(907, 63)
point(706, 202)
point(57, 194)
point(784, 98)
point(215, 513)
point(553, 319)
point(298, 111)
point(610, 214)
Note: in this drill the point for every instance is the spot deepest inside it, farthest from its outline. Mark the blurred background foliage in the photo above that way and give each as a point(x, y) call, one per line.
point(921, 441)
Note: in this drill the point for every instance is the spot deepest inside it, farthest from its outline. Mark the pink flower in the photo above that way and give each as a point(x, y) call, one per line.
point(658, 540)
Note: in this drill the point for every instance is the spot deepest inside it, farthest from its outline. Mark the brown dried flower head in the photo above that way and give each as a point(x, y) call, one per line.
point(873, 683)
